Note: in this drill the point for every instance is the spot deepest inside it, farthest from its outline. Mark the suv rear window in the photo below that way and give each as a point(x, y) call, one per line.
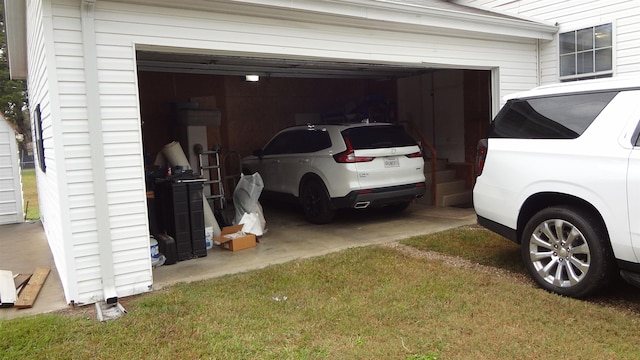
point(375, 137)
point(552, 117)
point(300, 141)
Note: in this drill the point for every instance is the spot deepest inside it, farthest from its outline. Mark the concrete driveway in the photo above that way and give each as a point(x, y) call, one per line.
point(289, 237)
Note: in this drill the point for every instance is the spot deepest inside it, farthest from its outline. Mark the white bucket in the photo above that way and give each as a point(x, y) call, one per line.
point(208, 237)
point(155, 252)
point(174, 153)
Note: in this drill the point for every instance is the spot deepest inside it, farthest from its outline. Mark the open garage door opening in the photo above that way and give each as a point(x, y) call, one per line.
point(210, 101)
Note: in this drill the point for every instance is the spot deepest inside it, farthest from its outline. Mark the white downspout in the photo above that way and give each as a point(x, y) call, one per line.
point(97, 151)
point(538, 64)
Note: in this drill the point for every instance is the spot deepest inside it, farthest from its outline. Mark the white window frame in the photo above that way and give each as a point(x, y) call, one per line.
point(595, 74)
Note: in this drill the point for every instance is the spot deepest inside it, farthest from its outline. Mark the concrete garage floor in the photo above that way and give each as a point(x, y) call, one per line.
point(289, 237)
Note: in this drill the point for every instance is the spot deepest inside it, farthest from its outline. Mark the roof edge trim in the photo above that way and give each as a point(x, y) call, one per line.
point(15, 15)
point(394, 11)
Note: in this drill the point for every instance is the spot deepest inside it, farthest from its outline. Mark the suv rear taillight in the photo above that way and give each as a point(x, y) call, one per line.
point(414, 155)
point(481, 155)
point(349, 156)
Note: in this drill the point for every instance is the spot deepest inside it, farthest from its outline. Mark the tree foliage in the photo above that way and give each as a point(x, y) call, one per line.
point(13, 93)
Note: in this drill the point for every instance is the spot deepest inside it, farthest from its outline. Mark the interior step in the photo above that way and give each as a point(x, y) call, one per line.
point(463, 198)
point(448, 193)
point(442, 176)
point(451, 187)
point(450, 190)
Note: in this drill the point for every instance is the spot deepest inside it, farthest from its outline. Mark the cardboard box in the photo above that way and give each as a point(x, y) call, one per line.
point(231, 238)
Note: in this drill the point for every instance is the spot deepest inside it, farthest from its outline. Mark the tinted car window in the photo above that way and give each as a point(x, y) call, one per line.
point(308, 141)
point(298, 142)
point(375, 137)
point(279, 144)
point(553, 117)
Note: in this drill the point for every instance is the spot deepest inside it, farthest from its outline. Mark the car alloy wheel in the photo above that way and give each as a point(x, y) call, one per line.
point(563, 252)
point(559, 253)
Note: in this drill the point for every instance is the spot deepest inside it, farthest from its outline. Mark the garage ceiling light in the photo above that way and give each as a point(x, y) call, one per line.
point(251, 78)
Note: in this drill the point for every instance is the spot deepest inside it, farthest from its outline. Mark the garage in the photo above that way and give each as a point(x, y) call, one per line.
point(446, 110)
point(111, 79)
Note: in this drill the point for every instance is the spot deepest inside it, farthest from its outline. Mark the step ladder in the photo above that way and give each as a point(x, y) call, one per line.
point(211, 170)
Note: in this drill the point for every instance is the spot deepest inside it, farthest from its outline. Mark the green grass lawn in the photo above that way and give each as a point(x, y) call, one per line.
point(375, 302)
point(30, 194)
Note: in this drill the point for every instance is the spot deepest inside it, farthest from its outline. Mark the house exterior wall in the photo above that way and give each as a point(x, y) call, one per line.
point(67, 188)
point(41, 76)
point(11, 208)
point(82, 71)
point(576, 14)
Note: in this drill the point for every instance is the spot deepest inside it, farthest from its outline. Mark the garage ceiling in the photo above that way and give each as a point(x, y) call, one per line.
point(268, 67)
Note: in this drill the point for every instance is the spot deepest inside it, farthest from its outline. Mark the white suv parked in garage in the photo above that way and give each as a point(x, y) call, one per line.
point(327, 167)
point(560, 175)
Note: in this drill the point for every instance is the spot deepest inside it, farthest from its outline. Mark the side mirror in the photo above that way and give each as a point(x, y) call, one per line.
point(258, 153)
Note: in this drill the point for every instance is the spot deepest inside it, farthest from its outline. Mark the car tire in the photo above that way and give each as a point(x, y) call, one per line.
point(315, 201)
point(566, 252)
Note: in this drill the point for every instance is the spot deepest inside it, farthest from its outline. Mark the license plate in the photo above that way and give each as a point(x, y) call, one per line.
point(391, 162)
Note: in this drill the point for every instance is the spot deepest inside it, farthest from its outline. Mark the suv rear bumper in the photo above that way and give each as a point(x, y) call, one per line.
point(380, 196)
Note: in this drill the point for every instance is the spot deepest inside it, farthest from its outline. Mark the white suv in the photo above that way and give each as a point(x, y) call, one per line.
point(560, 175)
point(327, 167)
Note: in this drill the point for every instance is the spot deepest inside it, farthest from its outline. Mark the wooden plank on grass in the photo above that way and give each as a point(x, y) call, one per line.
point(32, 289)
point(8, 293)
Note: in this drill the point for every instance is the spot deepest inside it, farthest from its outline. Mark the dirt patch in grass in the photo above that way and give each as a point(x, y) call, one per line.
point(459, 262)
point(478, 249)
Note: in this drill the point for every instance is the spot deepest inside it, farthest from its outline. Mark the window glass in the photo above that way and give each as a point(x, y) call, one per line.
point(553, 117)
point(584, 39)
point(603, 36)
point(584, 64)
point(312, 140)
point(568, 65)
point(299, 141)
point(603, 60)
point(567, 43)
point(374, 137)
point(586, 53)
point(635, 138)
point(39, 138)
point(279, 144)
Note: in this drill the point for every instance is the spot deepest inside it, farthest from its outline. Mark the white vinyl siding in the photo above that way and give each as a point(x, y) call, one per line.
point(228, 28)
point(11, 210)
point(576, 14)
point(41, 78)
point(119, 26)
point(122, 149)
